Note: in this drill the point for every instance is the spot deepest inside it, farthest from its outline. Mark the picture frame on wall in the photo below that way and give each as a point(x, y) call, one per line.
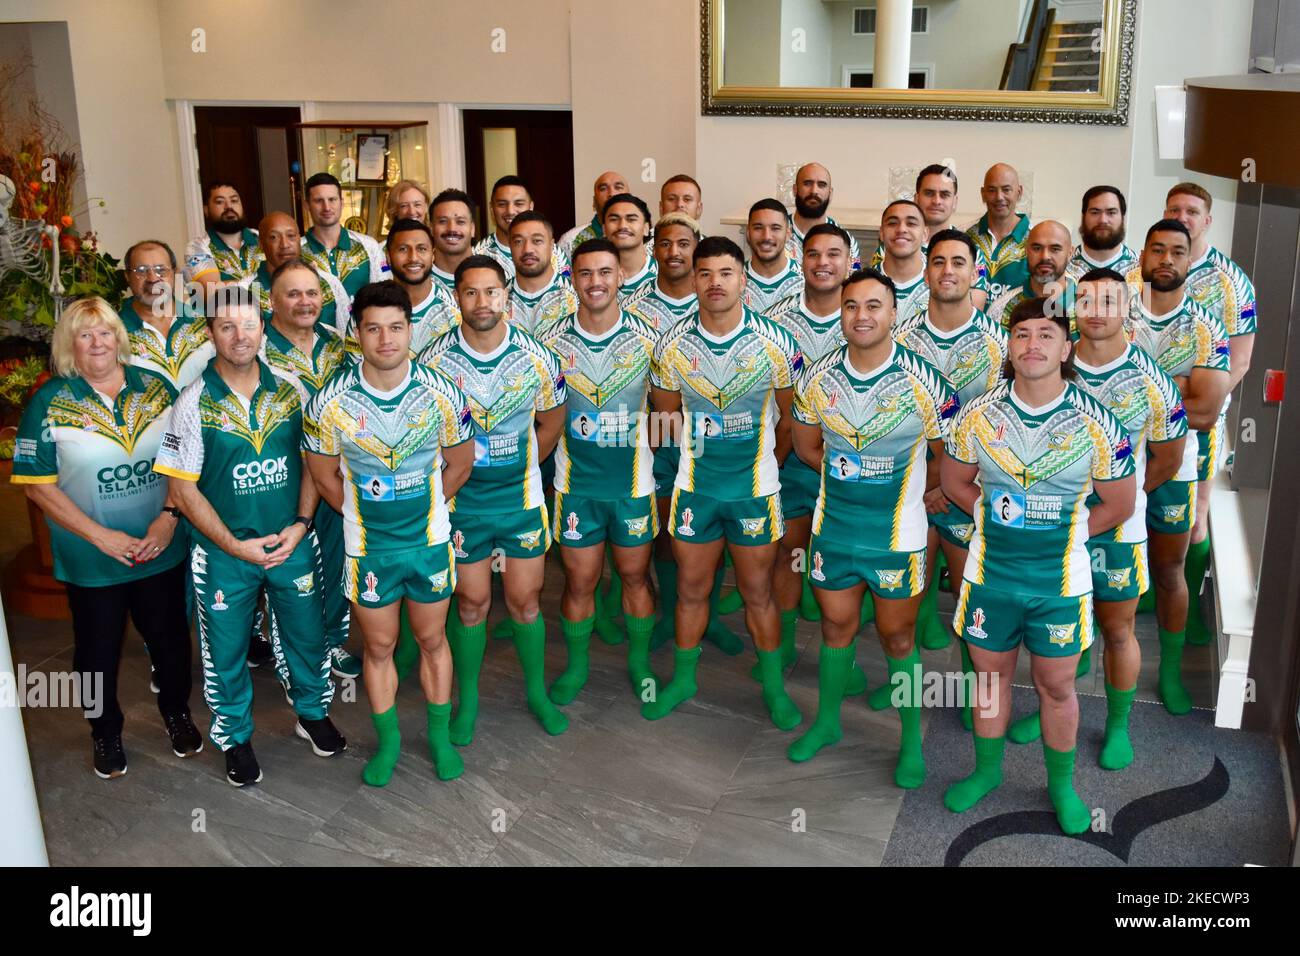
point(372, 158)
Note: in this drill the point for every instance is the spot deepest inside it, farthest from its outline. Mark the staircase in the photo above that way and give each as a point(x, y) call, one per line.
point(1066, 62)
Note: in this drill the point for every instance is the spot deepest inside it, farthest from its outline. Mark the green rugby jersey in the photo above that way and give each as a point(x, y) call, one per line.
point(505, 389)
point(794, 245)
point(100, 453)
point(244, 455)
point(1182, 339)
point(1146, 402)
point(310, 370)
point(981, 283)
point(604, 450)
point(876, 426)
point(634, 287)
point(1006, 258)
point(1037, 467)
point(1080, 264)
point(389, 446)
point(761, 293)
point(435, 316)
point(209, 254)
point(728, 388)
point(816, 335)
point(536, 312)
point(180, 356)
point(578, 235)
point(357, 260)
point(913, 296)
point(970, 357)
point(498, 250)
point(660, 312)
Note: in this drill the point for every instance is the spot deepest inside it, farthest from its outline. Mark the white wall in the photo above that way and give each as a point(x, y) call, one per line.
point(752, 51)
point(810, 63)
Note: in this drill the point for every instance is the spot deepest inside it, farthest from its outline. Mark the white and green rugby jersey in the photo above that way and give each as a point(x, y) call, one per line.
point(180, 356)
point(1147, 403)
point(536, 312)
point(446, 281)
point(1000, 309)
point(970, 357)
point(661, 312)
point(634, 287)
point(389, 445)
point(100, 452)
point(498, 250)
point(1037, 467)
point(1185, 338)
point(1218, 284)
point(876, 426)
point(310, 370)
point(981, 283)
point(506, 389)
point(243, 453)
point(815, 334)
point(604, 451)
point(435, 316)
point(1080, 264)
point(762, 293)
point(209, 254)
point(1005, 258)
point(578, 235)
point(728, 387)
point(913, 296)
point(794, 245)
point(356, 261)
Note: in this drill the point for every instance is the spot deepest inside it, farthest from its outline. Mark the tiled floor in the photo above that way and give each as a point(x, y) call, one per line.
point(708, 785)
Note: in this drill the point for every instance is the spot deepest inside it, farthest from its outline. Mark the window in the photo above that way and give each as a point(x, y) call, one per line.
point(862, 79)
point(864, 20)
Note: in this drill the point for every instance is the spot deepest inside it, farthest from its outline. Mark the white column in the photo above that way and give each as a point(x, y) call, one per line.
point(893, 44)
point(22, 841)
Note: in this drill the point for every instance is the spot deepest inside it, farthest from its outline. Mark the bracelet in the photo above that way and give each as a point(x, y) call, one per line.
point(173, 511)
point(307, 522)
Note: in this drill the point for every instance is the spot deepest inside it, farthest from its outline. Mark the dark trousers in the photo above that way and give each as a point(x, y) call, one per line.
point(156, 605)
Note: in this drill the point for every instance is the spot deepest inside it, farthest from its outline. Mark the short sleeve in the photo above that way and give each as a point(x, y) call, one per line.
point(803, 406)
point(552, 393)
point(457, 425)
point(36, 459)
point(199, 260)
point(1113, 457)
point(318, 433)
point(1168, 419)
point(791, 363)
point(663, 366)
point(1240, 320)
point(1212, 348)
point(961, 437)
point(180, 455)
point(981, 271)
point(940, 404)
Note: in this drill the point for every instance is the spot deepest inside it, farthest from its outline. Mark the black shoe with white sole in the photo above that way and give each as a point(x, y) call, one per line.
point(153, 680)
point(185, 737)
point(109, 758)
point(325, 739)
point(241, 765)
point(259, 651)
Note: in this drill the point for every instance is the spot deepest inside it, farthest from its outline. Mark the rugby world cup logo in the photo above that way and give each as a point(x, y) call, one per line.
point(684, 526)
point(817, 574)
point(362, 431)
point(458, 544)
point(976, 629)
point(220, 603)
point(372, 582)
point(573, 534)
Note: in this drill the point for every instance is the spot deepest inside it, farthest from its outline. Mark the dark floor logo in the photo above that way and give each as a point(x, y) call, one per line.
point(1132, 819)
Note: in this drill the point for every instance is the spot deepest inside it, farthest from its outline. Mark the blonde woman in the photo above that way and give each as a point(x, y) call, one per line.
point(84, 452)
point(408, 199)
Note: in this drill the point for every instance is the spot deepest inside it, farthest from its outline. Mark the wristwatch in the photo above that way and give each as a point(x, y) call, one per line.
point(173, 511)
point(307, 522)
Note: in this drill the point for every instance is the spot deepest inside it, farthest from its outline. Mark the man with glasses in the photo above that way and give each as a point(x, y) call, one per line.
point(167, 336)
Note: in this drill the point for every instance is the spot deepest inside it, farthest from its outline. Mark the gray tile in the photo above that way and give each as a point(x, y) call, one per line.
point(79, 825)
point(728, 839)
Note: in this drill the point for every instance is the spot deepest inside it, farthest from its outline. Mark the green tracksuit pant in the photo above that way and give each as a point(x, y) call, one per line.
point(329, 531)
point(225, 597)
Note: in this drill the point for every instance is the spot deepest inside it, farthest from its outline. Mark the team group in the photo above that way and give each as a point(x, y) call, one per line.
point(352, 433)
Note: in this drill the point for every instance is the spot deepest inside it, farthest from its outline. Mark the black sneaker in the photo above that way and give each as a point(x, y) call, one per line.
point(241, 765)
point(259, 651)
point(109, 757)
point(153, 679)
point(325, 739)
point(185, 737)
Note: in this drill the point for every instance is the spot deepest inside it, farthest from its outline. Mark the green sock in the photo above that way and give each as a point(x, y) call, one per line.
point(1198, 557)
point(609, 606)
point(530, 644)
point(967, 669)
point(857, 682)
point(964, 794)
point(808, 606)
point(1116, 748)
point(639, 672)
point(832, 671)
point(910, 772)
point(446, 762)
point(930, 631)
point(1172, 693)
point(678, 690)
point(788, 653)
point(666, 573)
point(1071, 813)
point(1027, 729)
point(717, 633)
point(379, 769)
point(577, 635)
point(784, 713)
point(407, 653)
point(1085, 661)
point(467, 647)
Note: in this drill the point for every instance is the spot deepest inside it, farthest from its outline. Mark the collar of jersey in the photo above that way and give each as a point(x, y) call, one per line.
point(936, 331)
point(1018, 231)
point(853, 373)
point(710, 337)
point(496, 352)
point(633, 280)
point(1041, 409)
point(434, 292)
point(591, 337)
point(556, 282)
point(794, 227)
point(1149, 315)
point(133, 382)
point(911, 283)
point(1108, 367)
point(669, 300)
point(214, 237)
point(776, 279)
point(819, 319)
point(319, 329)
point(345, 241)
point(1119, 254)
point(376, 393)
point(447, 277)
point(218, 388)
point(134, 323)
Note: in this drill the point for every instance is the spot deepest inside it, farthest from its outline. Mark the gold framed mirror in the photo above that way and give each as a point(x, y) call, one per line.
point(1043, 61)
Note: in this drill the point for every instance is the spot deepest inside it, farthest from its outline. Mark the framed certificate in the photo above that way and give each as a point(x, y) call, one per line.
point(372, 158)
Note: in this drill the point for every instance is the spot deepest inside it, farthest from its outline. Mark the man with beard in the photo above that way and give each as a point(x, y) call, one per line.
point(228, 250)
point(1047, 252)
point(771, 274)
point(626, 220)
point(1101, 234)
point(510, 197)
point(516, 396)
point(540, 293)
point(451, 214)
point(902, 229)
point(1191, 345)
point(608, 184)
point(1001, 231)
point(681, 193)
point(812, 200)
point(344, 258)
